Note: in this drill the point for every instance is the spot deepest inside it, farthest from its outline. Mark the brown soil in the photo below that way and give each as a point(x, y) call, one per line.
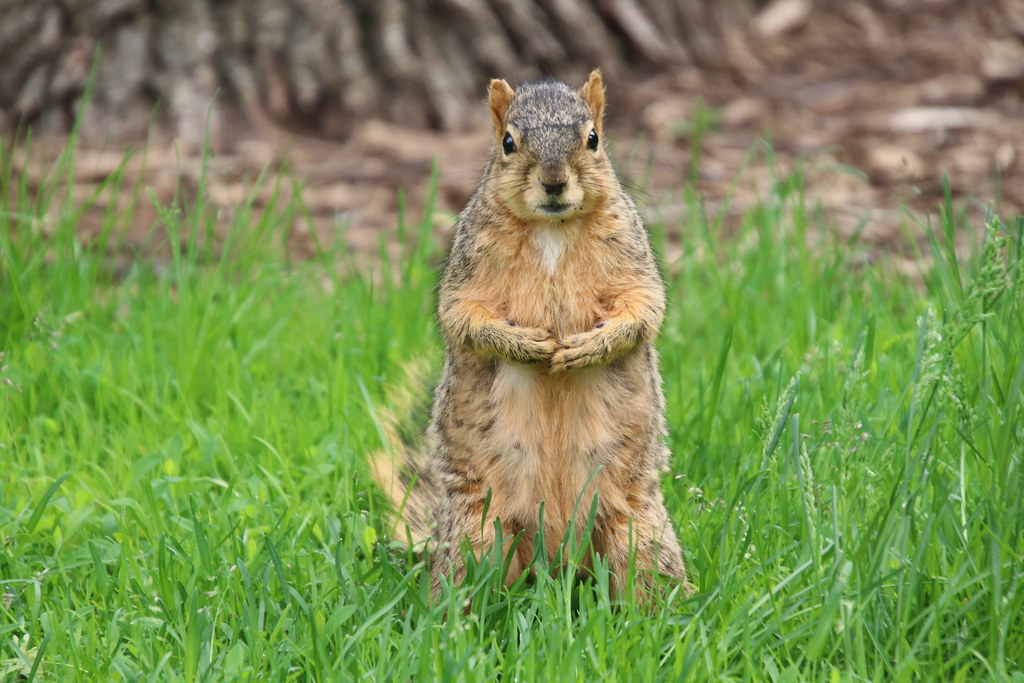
point(874, 100)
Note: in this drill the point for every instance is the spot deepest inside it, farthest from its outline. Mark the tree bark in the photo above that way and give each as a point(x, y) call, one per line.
point(177, 67)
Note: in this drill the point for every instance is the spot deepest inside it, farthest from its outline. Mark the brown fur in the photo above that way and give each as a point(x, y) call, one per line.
point(548, 305)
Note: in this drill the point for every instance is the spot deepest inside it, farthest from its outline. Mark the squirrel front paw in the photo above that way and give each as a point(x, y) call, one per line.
point(579, 351)
point(525, 344)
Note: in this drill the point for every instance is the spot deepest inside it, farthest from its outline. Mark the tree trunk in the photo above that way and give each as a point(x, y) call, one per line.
point(174, 67)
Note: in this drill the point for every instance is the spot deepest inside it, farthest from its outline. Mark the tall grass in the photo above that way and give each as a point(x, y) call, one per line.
point(184, 490)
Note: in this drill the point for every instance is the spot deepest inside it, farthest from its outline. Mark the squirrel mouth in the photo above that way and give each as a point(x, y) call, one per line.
point(554, 208)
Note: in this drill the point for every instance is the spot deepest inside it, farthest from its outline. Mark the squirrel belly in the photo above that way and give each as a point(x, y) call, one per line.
point(550, 394)
point(558, 440)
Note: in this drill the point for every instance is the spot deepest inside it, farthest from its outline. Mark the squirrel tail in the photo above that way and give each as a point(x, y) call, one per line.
point(402, 468)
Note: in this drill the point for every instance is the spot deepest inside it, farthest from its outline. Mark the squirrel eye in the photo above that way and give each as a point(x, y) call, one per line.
point(508, 144)
point(592, 140)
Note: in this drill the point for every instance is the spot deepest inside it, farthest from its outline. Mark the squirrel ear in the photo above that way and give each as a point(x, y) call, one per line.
point(499, 96)
point(592, 93)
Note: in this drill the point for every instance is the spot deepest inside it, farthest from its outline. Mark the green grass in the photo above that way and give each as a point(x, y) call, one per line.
point(184, 492)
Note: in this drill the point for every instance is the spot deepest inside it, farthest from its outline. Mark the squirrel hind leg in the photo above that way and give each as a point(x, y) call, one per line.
point(645, 544)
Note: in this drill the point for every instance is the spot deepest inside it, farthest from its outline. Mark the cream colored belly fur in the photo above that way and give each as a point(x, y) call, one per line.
point(550, 435)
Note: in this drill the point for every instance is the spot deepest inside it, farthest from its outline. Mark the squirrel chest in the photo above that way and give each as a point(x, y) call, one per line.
point(556, 277)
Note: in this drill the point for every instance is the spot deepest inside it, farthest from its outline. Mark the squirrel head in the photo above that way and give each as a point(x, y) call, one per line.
point(548, 161)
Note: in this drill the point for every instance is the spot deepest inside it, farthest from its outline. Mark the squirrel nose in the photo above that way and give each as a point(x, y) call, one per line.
point(553, 189)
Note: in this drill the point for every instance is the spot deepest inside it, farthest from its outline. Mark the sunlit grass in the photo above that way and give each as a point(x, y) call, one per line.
point(184, 489)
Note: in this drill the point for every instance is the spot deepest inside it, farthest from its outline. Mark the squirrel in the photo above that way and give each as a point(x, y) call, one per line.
point(550, 393)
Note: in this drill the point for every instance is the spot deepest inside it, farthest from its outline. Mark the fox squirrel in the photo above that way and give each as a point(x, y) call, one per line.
point(550, 392)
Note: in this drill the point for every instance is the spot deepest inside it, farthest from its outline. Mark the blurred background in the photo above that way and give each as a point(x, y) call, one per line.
point(873, 99)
